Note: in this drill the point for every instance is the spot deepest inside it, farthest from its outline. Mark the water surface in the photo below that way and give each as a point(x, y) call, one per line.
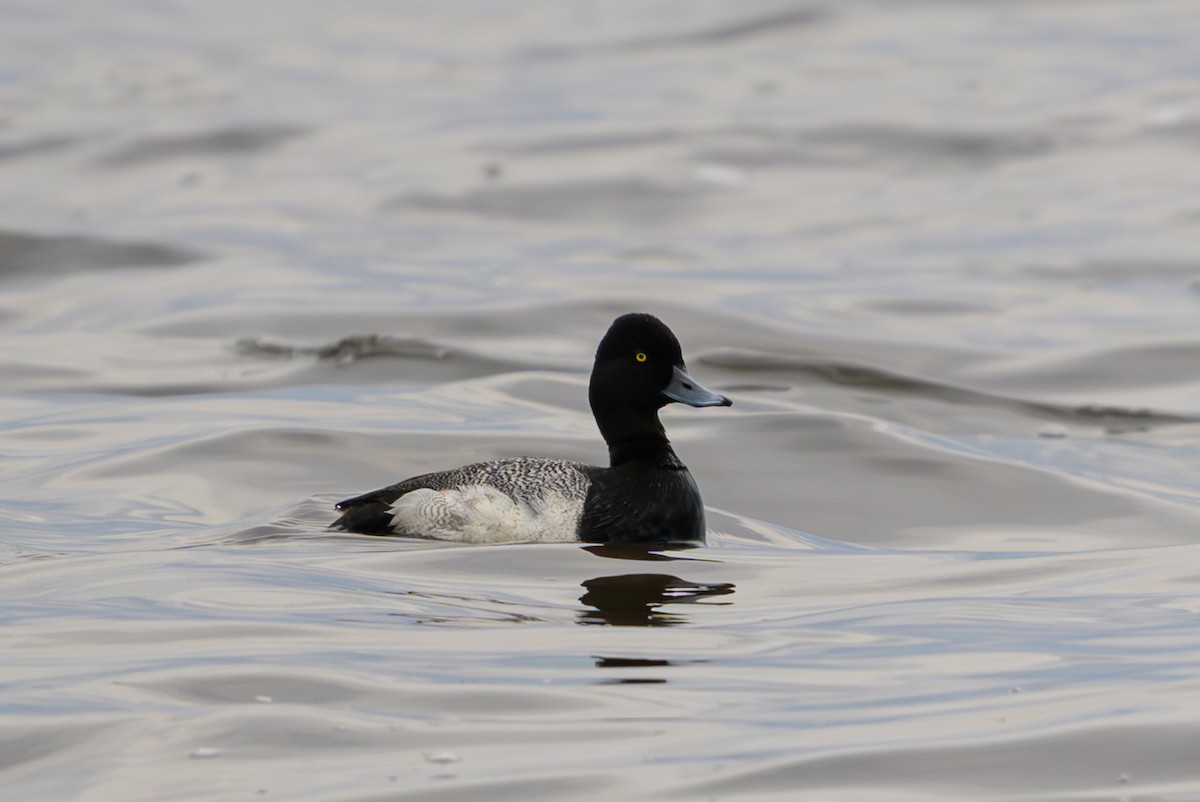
point(943, 256)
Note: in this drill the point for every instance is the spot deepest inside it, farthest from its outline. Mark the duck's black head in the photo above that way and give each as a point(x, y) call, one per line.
point(639, 369)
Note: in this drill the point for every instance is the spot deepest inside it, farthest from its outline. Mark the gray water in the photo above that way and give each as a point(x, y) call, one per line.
point(944, 256)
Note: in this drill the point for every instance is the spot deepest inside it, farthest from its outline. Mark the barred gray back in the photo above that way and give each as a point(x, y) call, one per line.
point(521, 478)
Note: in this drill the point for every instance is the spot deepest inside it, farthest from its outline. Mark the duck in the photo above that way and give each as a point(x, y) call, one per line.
point(645, 496)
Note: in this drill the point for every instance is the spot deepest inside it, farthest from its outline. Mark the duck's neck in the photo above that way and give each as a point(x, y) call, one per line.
point(637, 438)
point(633, 433)
point(646, 447)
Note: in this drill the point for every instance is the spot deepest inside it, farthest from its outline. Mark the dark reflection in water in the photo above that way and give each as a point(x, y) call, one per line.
point(634, 600)
point(27, 254)
point(632, 662)
point(223, 142)
point(1115, 419)
point(347, 349)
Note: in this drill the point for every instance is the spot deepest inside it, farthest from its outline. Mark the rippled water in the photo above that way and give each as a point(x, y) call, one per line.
point(944, 256)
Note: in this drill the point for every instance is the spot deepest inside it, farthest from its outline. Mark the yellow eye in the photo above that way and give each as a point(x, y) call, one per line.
point(640, 357)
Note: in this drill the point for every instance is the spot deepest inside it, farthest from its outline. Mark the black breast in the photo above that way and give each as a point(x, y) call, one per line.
point(645, 503)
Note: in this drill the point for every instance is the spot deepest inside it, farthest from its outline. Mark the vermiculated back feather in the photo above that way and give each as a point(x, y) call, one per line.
point(526, 480)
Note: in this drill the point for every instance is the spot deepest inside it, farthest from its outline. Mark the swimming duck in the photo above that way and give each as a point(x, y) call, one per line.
point(645, 496)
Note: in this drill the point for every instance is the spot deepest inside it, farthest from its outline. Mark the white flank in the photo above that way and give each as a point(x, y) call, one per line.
point(482, 514)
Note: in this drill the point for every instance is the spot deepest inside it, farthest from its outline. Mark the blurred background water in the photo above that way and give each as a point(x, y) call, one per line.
point(944, 256)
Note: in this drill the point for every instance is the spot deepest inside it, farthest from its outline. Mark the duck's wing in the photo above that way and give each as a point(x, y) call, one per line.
point(523, 481)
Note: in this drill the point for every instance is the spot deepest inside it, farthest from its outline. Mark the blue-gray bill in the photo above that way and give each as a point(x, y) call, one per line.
point(686, 390)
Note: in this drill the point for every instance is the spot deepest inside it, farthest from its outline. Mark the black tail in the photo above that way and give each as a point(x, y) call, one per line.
point(365, 516)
